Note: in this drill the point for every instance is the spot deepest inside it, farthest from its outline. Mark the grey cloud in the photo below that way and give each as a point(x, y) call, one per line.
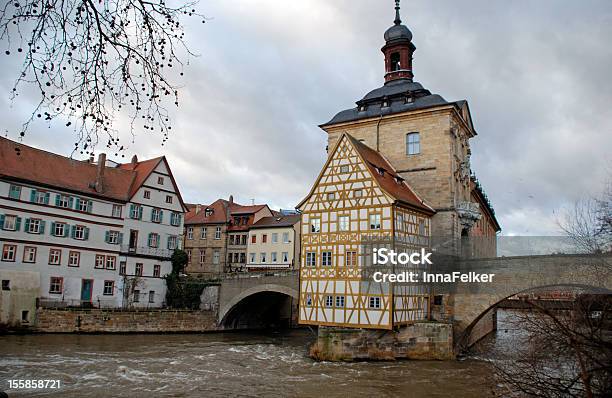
point(536, 74)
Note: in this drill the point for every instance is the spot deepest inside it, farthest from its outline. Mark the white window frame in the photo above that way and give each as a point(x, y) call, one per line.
point(110, 262)
point(8, 226)
point(285, 237)
point(60, 229)
point(79, 232)
point(413, 143)
point(109, 288)
point(374, 302)
point(74, 258)
point(339, 301)
point(218, 233)
point(315, 225)
point(285, 256)
point(274, 237)
point(329, 301)
point(274, 257)
point(327, 258)
point(34, 222)
point(344, 223)
point(262, 257)
point(29, 254)
point(117, 210)
point(55, 256)
point(375, 222)
point(203, 233)
point(190, 233)
point(311, 259)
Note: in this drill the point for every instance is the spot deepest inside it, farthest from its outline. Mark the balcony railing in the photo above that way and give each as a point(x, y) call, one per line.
point(147, 251)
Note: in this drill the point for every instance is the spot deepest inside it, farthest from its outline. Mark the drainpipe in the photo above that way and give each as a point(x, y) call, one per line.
point(378, 131)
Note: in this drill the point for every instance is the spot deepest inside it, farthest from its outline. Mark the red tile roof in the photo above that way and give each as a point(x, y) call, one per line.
point(219, 213)
point(388, 178)
point(24, 163)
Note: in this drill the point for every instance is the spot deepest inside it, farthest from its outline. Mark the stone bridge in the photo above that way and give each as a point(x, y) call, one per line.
point(515, 275)
point(263, 297)
point(258, 299)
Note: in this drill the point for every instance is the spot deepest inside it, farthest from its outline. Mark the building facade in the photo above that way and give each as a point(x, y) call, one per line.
point(359, 198)
point(424, 137)
point(274, 243)
point(216, 236)
point(97, 234)
point(398, 173)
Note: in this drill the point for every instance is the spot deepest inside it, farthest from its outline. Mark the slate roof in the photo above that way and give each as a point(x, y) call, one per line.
point(278, 221)
point(402, 95)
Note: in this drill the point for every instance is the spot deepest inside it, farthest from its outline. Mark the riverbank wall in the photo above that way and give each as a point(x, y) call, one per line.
point(421, 340)
point(121, 321)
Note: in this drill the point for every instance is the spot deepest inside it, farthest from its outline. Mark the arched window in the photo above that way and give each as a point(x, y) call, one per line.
point(395, 62)
point(413, 143)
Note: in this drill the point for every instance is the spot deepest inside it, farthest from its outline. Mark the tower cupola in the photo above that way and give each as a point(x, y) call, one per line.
point(398, 50)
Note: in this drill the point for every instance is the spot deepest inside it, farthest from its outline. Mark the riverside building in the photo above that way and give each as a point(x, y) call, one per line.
point(85, 233)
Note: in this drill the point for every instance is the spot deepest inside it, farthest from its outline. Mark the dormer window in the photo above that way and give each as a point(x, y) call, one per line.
point(385, 104)
point(362, 108)
point(398, 179)
point(208, 212)
point(380, 171)
point(395, 62)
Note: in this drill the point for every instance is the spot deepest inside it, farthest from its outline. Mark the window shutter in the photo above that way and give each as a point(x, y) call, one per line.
point(71, 202)
point(73, 231)
point(152, 212)
point(131, 211)
point(161, 216)
point(89, 206)
point(52, 228)
point(168, 242)
point(33, 196)
point(27, 225)
point(140, 212)
point(66, 229)
point(107, 236)
point(150, 240)
point(1, 221)
point(18, 224)
point(47, 196)
point(86, 233)
point(76, 203)
point(42, 227)
point(57, 200)
point(120, 238)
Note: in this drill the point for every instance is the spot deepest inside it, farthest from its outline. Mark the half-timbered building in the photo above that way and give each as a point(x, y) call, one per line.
point(359, 198)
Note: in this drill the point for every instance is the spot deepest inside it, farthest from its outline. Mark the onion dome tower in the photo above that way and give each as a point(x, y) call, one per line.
point(398, 50)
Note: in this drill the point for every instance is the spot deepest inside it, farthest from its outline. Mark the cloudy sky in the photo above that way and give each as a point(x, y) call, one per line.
point(536, 74)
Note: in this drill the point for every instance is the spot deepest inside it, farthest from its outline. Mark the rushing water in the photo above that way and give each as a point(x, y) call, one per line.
point(227, 365)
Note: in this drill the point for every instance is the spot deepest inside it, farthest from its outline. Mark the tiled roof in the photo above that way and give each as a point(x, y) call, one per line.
point(235, 208)
point(387, 177)
point(219, 213)
point(278, 221)
point(27, 164)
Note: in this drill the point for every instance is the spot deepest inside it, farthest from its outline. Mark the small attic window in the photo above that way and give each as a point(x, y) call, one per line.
point(409, 99)
point(362, 108)
point(399, 179)
point(380, 171)
point(385, 104)
point(208, 212)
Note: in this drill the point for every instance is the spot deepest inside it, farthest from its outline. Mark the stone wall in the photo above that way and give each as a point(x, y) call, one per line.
point(138, 321)
point(422, 340)
point(18, 298)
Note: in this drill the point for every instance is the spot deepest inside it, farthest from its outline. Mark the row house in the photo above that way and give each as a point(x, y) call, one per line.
point(274, 243)
point(216, 236)
point(93, 233)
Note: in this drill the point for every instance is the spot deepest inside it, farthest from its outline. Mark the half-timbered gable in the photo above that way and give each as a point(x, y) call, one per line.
point(357, 197)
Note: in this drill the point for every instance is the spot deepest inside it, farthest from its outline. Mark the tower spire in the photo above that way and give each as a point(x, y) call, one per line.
point(398, 20)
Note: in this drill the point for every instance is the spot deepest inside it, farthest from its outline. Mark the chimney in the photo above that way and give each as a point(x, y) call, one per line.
point(100, 174)
point(198, 208)
point(231, 199)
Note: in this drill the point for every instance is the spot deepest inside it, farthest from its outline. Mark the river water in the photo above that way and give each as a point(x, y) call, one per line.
point(228, 365)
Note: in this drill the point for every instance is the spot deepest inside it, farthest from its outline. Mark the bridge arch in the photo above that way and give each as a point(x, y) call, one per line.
point(267, 291)
point(465, 339)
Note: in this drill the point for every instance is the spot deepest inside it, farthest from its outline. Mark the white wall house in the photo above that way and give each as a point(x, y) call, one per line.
point(274, 243)
point(98, 234)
